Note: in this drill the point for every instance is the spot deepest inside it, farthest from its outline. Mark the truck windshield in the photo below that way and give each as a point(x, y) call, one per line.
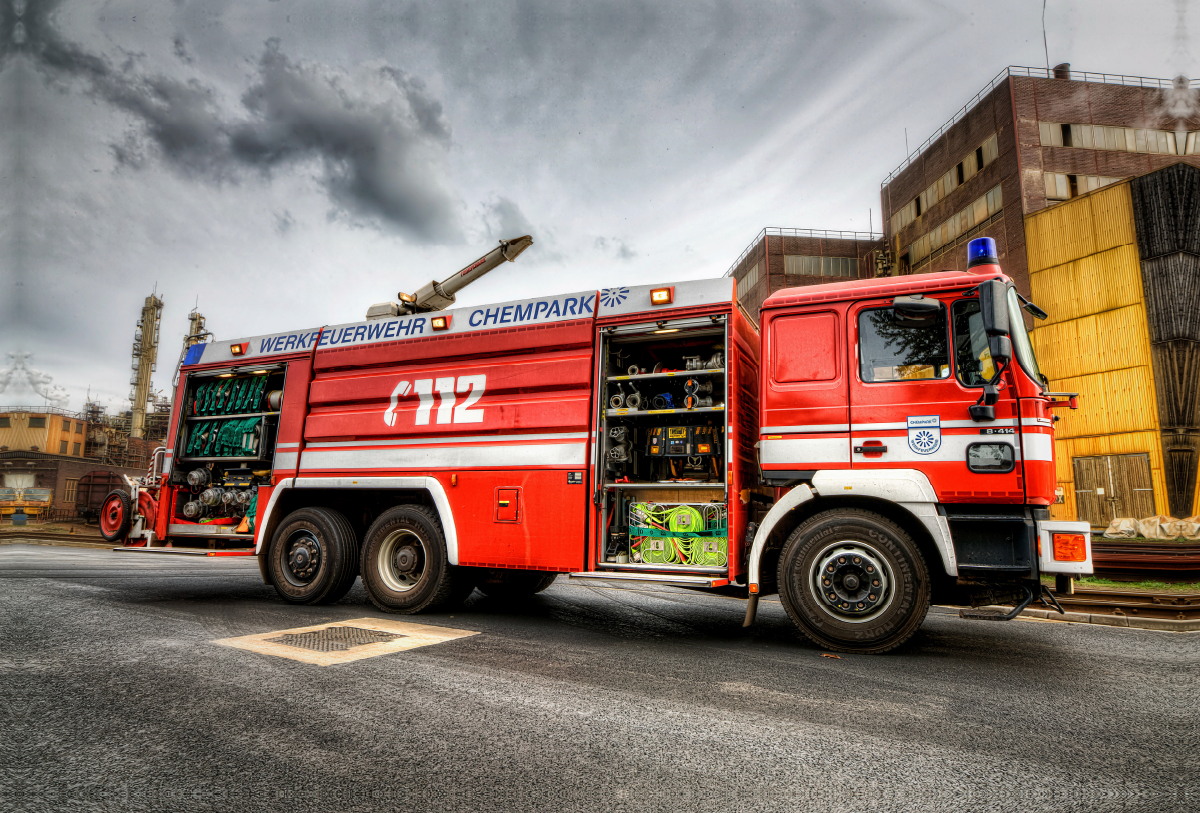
point(37, 494)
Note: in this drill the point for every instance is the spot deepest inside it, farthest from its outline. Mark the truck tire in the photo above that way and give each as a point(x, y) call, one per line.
point(116, 516)
point(404, 563)
point(854, 581)
point(313, 557)
point(508, 585)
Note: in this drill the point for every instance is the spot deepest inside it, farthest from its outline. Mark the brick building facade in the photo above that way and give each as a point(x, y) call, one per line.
point(57, 472)
point(1030, 139)
point(789, 258)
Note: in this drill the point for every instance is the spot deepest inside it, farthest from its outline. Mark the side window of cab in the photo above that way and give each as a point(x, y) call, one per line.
point(972, 358)
point(893, 348)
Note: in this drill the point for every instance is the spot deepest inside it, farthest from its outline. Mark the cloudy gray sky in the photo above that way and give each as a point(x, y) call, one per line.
point(286, 164)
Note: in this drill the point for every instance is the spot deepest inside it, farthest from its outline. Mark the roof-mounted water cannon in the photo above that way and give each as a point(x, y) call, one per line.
point(436, 296)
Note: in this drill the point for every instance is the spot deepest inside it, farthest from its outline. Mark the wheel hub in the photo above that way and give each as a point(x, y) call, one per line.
point(402, 561)
point(304, 558)
point(405, 560)
point(851, 579)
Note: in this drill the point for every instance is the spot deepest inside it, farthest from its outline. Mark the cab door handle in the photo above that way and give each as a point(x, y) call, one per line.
point(871, 447)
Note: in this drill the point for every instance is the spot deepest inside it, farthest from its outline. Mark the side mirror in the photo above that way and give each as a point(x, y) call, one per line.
point(985, 408)
point(1001, 349)
point(993, 306)
point(915, 310)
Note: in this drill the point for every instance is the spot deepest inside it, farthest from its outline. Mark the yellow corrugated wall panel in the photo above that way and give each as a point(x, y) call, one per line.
point(1109, 402)
point(1110, 279)
point(1112, 215)
point(1059, 235)
point(1093, 344)
point(1080, 227)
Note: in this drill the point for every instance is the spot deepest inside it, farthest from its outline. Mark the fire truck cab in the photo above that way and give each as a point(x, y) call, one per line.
point(908, 429)
point(880, 442)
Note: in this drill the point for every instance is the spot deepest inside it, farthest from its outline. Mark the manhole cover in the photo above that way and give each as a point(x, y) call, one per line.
point(335, 639)
point(344, 641)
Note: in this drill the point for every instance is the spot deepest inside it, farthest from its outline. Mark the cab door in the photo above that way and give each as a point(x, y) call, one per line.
point(911, 382)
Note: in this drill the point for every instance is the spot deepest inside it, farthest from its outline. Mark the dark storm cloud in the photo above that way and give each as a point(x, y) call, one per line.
point(377, 135)
point(375, 140)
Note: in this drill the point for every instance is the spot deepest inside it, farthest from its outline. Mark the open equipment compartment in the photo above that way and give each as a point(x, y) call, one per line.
point(663, 474)
point(227, 440)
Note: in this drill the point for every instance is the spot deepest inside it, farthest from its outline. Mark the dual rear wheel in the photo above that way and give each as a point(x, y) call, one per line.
point(315, 557)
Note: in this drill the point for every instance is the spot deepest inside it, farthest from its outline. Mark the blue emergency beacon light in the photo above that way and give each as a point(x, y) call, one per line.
point(982, 251)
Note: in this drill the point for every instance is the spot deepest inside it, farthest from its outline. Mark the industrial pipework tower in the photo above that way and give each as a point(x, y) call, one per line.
point(145, 362)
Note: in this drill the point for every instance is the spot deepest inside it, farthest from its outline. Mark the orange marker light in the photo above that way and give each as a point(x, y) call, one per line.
point(1069, 547)
point(239, 349)
point(440, 322)
point(662, 296)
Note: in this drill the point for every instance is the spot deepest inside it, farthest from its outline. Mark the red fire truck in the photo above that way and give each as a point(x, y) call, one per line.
point(879, 445)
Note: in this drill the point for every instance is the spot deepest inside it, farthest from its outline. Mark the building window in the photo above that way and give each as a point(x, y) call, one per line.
point(79, 429)
point(1122, 139)
point(66, 426)
point(75, 452)
point(747, 282)
point(956, 176)
point(803, 265)
point(945, 233)
point(37, 422)
point(62, 447)
point(1061, 186)
point(891, 351)
point(71, 489)
point(5, 422)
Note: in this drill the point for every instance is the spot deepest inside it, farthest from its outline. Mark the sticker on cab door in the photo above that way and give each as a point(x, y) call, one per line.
point(925, 433)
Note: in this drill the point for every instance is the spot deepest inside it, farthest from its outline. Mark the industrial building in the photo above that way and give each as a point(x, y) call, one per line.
point(789, 258)
point(1031, 138)
point(1118, 270)
point(47, 449)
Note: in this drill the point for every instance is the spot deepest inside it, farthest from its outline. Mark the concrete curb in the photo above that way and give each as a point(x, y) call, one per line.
point(1163, 624)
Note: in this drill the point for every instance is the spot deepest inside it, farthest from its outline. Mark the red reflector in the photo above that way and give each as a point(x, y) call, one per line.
point(440, 322)
point(1069, 547)
point(662, 296)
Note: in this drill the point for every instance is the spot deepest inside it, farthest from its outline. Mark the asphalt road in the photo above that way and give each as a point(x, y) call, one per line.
point(586, 698)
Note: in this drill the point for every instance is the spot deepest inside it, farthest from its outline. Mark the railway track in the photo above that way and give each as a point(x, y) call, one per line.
point(1132, 603)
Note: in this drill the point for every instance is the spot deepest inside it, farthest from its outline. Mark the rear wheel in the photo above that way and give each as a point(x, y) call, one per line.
point(405, 567)
point(853, 580)
point(116, 516)
point(514, 584)
point(313, 557)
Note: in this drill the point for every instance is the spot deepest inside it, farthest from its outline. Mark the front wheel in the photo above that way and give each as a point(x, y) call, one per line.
point(854, 581)
point(405, 567)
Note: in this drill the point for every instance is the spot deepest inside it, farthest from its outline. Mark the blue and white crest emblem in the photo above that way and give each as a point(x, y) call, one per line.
point(925, 433)
point(611, 297)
